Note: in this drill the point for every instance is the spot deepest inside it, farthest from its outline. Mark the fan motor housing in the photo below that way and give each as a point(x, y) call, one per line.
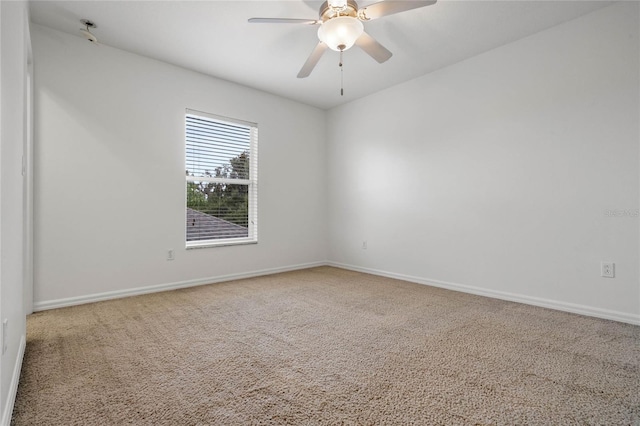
point(327, 12)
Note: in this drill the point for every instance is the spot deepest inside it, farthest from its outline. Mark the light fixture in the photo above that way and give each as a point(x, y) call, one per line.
point(341, 32)
point(337, 4)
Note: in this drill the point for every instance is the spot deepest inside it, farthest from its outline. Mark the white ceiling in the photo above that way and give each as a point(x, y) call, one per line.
point(213, 37)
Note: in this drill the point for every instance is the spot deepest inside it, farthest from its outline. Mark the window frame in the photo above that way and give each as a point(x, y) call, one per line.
point(251, 183)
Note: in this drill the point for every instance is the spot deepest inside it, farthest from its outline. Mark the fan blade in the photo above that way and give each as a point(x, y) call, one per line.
point(389, 7)
point(283, 21)
point(373, 48)
point(312, 60)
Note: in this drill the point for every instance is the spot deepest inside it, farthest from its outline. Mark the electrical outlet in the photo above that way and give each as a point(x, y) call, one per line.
point(171, 254)
point(5, 330)
point(608, 269)
point(364, 245)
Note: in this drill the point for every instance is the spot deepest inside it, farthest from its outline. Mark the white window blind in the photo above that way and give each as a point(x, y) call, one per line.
point(222, 188)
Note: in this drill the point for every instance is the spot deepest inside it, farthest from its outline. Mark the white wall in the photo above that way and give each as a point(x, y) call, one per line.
point(495, 173)
point(13, 62)
point(109, 173)
point(492, 175)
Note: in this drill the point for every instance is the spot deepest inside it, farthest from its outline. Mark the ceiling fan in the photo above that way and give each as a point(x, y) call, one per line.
point(341, 27)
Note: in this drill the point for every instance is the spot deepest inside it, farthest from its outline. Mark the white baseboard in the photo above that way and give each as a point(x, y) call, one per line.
point(529, 300)
point(98, 297)
point(13, 388)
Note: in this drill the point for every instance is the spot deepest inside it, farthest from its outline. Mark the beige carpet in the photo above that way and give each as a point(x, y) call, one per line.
point(325, 346)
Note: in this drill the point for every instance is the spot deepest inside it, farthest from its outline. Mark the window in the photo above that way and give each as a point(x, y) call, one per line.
point(222, 178)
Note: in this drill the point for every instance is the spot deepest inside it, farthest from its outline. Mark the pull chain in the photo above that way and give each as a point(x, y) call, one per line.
point(341, 76)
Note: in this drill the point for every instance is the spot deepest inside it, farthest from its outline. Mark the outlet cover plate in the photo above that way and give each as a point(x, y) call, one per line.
point(608, 269)
point(5, 330)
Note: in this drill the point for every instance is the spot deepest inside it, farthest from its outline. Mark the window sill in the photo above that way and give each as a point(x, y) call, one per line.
point(219, 243)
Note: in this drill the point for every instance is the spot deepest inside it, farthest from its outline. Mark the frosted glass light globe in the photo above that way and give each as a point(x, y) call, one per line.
point(340, 33)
